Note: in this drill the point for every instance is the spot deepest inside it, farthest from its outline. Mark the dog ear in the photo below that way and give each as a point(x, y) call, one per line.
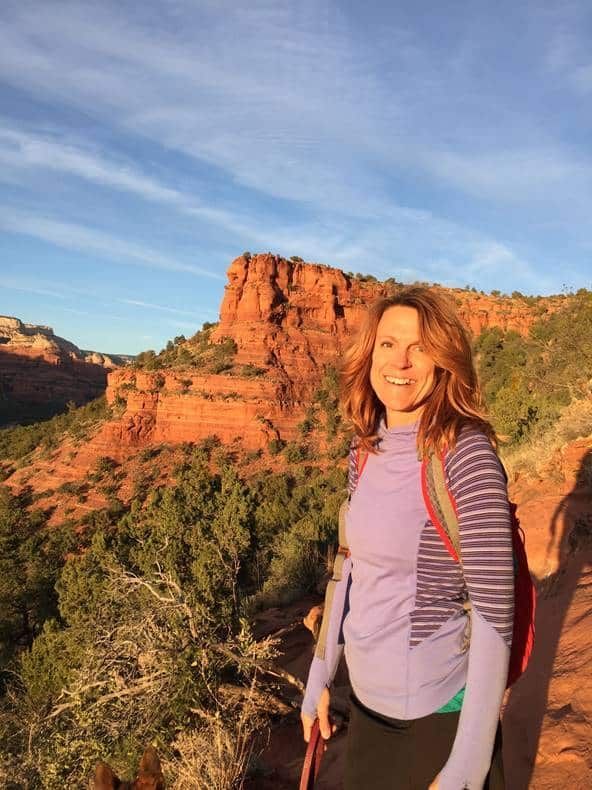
point(150, 768)
point(104, 778)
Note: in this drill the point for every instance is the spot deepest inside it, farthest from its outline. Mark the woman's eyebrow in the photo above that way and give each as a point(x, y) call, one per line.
point(392, 337)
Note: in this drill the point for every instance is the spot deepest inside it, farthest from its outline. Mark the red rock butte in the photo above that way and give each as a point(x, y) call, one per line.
point(291, 319)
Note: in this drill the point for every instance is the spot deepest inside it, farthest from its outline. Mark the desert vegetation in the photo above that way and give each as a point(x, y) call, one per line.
point(195, 352)
point(528, 381)
point(77, 422)
point(128, 631)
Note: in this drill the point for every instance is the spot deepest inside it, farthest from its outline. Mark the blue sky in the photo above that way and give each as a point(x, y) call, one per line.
point(144, 145)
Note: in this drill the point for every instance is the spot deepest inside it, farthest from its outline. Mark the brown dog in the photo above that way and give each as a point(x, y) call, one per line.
point(149, 775)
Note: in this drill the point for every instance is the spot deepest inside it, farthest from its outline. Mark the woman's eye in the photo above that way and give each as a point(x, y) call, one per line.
point(385, 344)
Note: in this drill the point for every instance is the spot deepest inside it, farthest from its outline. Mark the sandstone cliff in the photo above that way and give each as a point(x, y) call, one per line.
point(289, 319)
point(286, 320)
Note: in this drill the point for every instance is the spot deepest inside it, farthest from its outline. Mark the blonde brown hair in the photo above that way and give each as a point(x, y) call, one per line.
point(456, 398)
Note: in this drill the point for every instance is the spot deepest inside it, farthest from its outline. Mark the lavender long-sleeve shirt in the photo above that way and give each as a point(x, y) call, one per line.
point(399, 604)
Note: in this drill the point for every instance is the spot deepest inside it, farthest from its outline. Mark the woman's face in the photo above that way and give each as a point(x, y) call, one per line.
point(402, 373)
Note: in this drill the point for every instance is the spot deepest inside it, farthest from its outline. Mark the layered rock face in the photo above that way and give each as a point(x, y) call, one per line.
point(177, 406)
point(291, 319)
point(40, 372)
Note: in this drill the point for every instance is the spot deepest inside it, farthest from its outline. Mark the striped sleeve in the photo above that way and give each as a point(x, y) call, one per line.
point(478, 485)
point(477, 482)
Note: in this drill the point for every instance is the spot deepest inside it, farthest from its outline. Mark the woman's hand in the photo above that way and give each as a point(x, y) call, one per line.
point(325, 726)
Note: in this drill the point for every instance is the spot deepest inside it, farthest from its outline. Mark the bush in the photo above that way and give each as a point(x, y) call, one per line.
point(145, 630)
point(528, 381)
point(159, 381)
point(69, 487)
point(30, 560)
point(105, 465)
point(275, 446)
point(221, 366)
point(16, 443)
point(294, 452)
point(251, 371)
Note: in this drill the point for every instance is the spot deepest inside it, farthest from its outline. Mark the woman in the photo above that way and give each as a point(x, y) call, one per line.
point(424, 708)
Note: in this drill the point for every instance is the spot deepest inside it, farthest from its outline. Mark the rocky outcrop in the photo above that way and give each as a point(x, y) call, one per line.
point(288, 320)
point(181, 406)
point(41, 372)
point(297, 316)
point(35, 340)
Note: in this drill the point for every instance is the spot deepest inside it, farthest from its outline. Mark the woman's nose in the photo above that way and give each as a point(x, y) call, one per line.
point(400, 358)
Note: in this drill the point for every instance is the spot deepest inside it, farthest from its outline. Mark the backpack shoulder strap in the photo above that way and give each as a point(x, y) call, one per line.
point(356, 463)
point(440, 503)
point(441, 506)
point(342, 551)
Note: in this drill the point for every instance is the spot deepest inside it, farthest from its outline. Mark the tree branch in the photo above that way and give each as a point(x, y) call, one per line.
point(263, 666)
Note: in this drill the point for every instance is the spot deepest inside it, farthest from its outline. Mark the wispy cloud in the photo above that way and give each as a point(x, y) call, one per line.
point(78, 237)
point(19, 149)
point(111, 316)
point(22, 150)
point(191, 325)
point(370, 111)
point(15, 285)
point(518, 175)
point(163, 308)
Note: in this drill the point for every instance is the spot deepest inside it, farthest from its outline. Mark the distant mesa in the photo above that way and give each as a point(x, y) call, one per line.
point(16, 334)
point(41, 372)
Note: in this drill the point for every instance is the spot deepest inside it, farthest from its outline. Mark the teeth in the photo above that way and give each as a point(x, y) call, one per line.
point(393, 380)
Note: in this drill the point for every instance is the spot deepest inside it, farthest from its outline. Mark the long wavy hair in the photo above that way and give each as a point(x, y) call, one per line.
point(455, 399)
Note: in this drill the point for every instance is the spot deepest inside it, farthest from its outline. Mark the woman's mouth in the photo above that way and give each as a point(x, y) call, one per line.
point(400, 382)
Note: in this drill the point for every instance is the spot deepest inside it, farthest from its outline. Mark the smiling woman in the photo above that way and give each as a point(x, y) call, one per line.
point(427, 683)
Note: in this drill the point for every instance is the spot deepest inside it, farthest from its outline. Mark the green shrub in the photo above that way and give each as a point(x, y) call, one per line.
point(275, 446)
point(16, 443)
point(527, 381)
point(251, 371)
point(105, 465)
point(127, 629)
point(295, 452)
